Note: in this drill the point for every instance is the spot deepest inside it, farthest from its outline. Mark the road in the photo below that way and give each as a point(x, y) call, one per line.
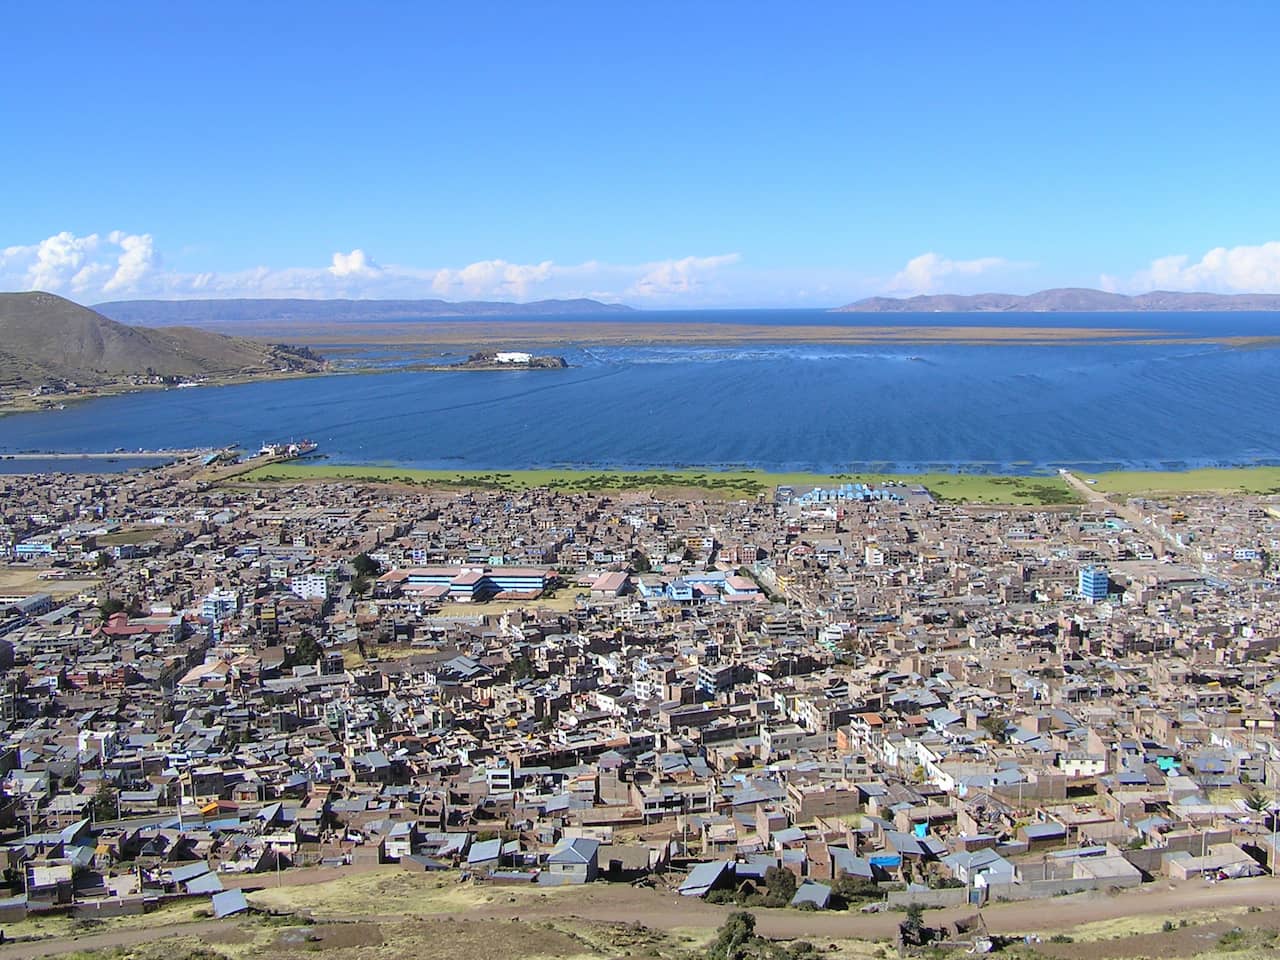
point(1097, 498)
point(664, 910)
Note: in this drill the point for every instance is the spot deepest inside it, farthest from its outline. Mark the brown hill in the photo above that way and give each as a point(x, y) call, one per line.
point(44, 338)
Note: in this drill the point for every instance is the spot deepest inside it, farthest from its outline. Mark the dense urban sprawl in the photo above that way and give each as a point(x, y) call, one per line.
point(827, 696)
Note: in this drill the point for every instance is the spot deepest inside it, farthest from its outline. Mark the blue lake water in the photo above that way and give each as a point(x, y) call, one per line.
point(905, 407)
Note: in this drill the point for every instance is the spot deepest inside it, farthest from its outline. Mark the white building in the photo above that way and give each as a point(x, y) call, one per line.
point(310, 586)
point(220, 604)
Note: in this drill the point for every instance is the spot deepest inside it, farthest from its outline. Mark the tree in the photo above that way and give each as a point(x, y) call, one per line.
point(912, 930)
point(1257, 801)
point(640, 563)
point(780, 885)
point(306, 651)
point(109, 606)
point(103, 806)
point(849, 890)
point(995, 725)
point(366, 566)
point(735, 939)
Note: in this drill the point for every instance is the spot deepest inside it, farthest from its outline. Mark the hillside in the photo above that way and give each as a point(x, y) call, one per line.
point(1066, 300)
point(45, 338)
point(225, 312)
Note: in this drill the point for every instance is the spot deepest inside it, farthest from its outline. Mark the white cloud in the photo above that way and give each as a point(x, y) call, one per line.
point(1242, 269)
point(926, 273)
point(353, 264)
point(118, 265)
point(683, 276)
point(137, 259)
point(492, 278)
point(53, 262)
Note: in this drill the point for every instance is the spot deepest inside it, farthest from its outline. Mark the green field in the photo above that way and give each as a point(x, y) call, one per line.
point(951, 487)
point(1258, 480)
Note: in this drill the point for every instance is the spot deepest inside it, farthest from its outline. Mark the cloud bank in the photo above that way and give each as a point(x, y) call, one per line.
point(120, 265)
point(1243, 269)
point(933, 273)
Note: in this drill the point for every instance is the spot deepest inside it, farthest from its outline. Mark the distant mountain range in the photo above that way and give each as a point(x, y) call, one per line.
point(223, 312)
point(45, 338)
point(1066, 300)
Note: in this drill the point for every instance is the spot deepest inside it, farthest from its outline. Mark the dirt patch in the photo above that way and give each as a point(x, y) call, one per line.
point(329, 936)
point(480, 940)
point(1193, 939)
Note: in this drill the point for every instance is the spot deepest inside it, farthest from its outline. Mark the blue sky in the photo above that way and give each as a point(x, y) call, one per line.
point(725, 154)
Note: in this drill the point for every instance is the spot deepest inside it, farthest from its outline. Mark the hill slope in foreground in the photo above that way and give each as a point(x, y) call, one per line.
point(45, 338)
point(1066, 300)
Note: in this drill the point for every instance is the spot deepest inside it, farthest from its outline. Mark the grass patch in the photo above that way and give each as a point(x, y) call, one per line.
point(1247, 480)
point(134, 536)
point(61, 926)
point(379, 892)
point(1140, 924)
point(950, 487)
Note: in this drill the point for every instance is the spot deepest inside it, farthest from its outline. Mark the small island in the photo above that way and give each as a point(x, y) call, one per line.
point(505, 360)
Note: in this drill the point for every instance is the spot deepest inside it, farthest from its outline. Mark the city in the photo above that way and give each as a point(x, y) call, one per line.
point(210, 687)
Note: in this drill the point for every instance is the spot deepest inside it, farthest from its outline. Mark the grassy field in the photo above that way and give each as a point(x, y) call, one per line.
point(1258, 480)
point(133, 535)
point(26, 579)
point(412, 894)
point(951, 487)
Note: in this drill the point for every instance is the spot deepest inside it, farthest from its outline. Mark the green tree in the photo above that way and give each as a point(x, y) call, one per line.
point(109, 606)
point(366, 566)
point(780, 885)
point(849, 890)
point(103, 806)
point(1257, 801)
point(640, 563)
point(305, 651)
point(912, 929)
point(735, 939)
point(995, 725)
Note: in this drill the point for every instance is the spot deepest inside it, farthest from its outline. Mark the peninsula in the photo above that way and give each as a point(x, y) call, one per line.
point(53, 350)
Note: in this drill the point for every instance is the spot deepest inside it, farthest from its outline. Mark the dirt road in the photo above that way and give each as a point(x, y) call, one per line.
point(661, 910)
point(115, 938)
point(669, 911)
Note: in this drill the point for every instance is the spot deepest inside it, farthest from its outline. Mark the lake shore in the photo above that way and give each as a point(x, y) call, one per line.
point(1017, 490)
point(957, 487)
point(57, 401)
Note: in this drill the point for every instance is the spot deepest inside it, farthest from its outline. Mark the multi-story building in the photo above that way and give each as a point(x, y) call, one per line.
point(1094, 583)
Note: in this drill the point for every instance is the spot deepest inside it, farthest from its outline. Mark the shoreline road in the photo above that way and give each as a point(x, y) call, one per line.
point(1141, 523)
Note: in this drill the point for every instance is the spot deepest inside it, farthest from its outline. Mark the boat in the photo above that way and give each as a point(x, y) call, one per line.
point(288, 450)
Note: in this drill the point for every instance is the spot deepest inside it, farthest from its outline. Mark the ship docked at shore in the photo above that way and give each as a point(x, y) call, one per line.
point(288, 449)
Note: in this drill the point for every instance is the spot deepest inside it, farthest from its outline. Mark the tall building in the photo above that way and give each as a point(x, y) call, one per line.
point(1094, 583)
point(219, 604)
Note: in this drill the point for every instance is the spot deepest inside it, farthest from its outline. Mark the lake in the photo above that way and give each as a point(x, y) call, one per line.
point(900, 407)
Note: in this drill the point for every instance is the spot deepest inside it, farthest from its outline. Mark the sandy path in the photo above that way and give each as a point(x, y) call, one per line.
point(669, 911)
point(663, 910)
point(114, 938)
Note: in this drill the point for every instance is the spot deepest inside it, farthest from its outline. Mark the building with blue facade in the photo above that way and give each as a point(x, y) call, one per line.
point(1094, 584)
